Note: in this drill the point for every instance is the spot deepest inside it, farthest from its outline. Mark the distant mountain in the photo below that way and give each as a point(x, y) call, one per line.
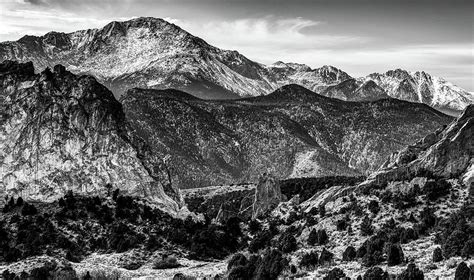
point(423, 88)
point(292, 132)
point(61, 132)
point(152, 53)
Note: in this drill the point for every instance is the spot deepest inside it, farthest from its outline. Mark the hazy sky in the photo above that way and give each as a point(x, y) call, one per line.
point(358, 36)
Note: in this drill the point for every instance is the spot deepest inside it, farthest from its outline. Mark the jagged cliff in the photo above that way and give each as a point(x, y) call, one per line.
point(61, 132)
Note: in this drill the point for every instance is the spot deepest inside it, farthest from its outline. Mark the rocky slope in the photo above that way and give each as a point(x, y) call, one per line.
point(292, 132)
point(61, 132)
point(152, 53)
point(444, 153)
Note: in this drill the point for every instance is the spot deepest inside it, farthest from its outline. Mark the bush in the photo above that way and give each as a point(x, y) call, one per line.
point(411, 273)
point(287, 242)
point(463, 272)
point(437, 255)
point(260, 241)
point(317, 237)
point(254, 226)
point(322, 210)
point(373, 206)
point(342, 224)
point(325, 257)
point(28, 210)
point(309, 260)
point(166, 262)
point(394, 254)
point(455, 243)
point(237, 260)
point(468, 249)
point(375, 273)
point(366, 227)
point(270, 265)
point(349, 254)
point(335, 274)
point(371, 250)
point(436, 189)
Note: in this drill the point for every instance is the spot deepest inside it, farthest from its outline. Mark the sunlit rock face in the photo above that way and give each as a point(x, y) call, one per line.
point(61, 132)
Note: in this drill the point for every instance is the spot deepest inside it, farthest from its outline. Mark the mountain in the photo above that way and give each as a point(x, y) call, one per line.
point(61, 132)
point(423, 88)
point(292, 132)
point(152, 53)
point(445, 153)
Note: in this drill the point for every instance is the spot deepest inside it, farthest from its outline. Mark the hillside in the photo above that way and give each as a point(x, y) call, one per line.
point(292, 132)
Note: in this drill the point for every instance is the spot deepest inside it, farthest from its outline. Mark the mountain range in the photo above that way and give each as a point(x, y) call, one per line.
point(61, 131)
point(153, 53)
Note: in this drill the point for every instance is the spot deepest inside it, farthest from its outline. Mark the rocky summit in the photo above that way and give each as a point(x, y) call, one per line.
point(292, 132)
point(153, 53)
point(61, 132)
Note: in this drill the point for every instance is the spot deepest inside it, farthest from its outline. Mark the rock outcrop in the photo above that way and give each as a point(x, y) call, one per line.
point(267, 196)
point(61, 132)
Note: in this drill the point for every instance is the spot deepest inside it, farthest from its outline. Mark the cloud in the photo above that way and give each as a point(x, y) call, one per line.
point(35, 2)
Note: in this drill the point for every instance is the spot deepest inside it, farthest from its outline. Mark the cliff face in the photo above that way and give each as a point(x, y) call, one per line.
point(61, 132)
point(446, 153)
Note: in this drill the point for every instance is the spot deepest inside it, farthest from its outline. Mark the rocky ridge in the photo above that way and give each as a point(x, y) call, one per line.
point(61, 132)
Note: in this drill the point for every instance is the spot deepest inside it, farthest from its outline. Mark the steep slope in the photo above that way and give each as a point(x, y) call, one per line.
point(445, 153)
point(61, 132)
point(292, 132)
point(423, 88)
point(152, 53)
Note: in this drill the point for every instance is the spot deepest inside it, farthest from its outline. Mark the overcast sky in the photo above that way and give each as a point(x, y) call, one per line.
point(358, 36)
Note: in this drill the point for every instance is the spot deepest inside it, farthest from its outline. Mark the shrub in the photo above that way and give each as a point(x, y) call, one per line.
point(313, 237)
point(260, 241)
point(394, 254)
point(166, 262)
point(463, 272)
point(287, 242)
point(319, 237)
point(349, 254)
point(436, 189)
point(371, 251)
point(468, 249)
point(375, 273)
point(455, 243)
point(28, 210)
point(322, 210)
point(437, 255)
point(325, 257)
point(254, 226)
point(19, 202)
point(411, 273)
point(237, 260)
point(309, 260)
point(270, 265)
point(373, 206)
point(335, 274)
point(366, 227)
point(342, 224)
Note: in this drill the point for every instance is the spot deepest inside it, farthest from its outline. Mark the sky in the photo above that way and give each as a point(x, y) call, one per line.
point(358, 36)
